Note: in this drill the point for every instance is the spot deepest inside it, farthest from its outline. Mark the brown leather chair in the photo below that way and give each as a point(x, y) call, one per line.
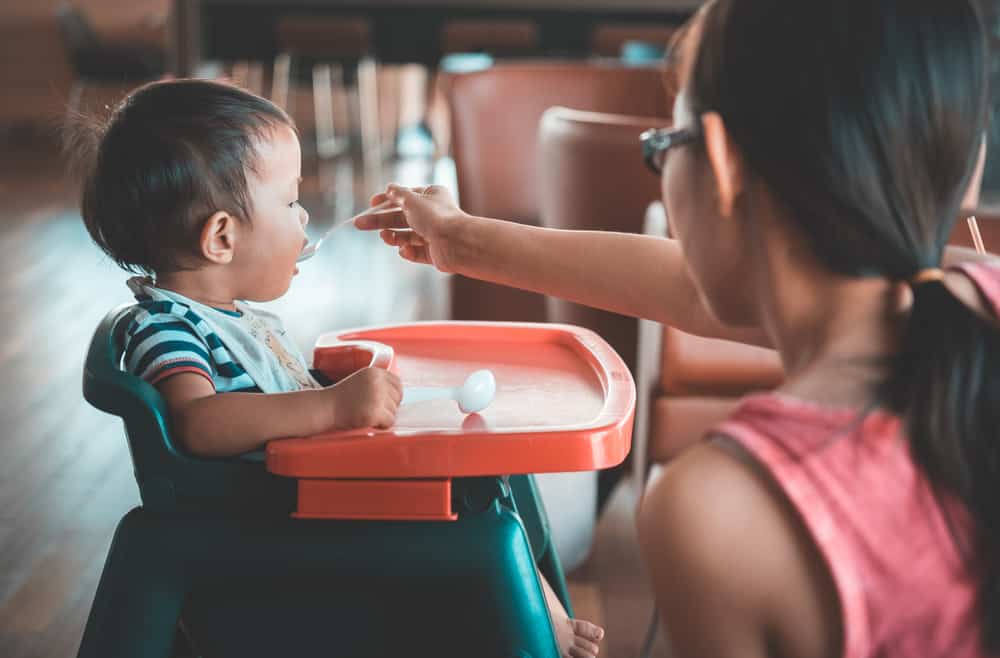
point(494, 132)
point(592, 177)
point(492, 38)
point(989, 229)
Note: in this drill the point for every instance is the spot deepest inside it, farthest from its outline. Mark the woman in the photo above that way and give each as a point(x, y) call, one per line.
point(820, 156)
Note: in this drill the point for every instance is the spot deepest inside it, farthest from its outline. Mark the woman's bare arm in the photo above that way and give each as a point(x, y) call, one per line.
point(636, 275)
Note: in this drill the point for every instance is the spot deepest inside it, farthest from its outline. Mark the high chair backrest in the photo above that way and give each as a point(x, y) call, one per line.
point(169, 479)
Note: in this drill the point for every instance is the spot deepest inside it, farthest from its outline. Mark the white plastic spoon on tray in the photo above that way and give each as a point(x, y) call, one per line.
point(474, 395)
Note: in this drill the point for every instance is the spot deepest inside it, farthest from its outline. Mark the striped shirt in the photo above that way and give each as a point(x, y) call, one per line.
point(246, 350)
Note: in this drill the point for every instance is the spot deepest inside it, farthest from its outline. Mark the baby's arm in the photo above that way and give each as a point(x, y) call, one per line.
point(210, 424)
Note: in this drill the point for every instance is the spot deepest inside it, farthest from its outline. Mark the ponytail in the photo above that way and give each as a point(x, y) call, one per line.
point(945, 384)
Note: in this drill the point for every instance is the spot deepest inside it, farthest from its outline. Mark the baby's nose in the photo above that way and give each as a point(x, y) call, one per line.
point(303, 216)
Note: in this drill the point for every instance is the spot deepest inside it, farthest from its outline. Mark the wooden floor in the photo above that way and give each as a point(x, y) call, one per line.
point(65, 473)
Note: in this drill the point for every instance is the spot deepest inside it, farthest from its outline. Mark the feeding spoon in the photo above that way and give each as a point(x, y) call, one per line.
point(310, 249)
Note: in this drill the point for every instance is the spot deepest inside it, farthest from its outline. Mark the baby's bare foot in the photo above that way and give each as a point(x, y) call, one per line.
point(579, 639)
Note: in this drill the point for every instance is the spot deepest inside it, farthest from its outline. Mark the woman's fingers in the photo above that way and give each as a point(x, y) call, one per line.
point(401, 238)
point(397, 188)
point(415, 254)
point(382, 197)
point(383, 210)
point(421, 190)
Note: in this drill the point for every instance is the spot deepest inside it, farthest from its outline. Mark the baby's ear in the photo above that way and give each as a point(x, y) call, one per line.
point(218, 236)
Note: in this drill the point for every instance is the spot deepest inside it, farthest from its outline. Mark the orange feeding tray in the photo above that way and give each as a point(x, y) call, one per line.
point(564, 402)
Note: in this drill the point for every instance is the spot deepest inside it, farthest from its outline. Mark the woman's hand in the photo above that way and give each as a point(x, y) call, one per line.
point(423, 232)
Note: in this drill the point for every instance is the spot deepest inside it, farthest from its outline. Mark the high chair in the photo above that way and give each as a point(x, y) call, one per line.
point(399, 541)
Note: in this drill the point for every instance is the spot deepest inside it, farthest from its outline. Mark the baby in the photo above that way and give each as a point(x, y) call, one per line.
point(194, 185)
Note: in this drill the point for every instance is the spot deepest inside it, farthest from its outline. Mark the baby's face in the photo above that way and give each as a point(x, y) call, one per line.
point(267, 250)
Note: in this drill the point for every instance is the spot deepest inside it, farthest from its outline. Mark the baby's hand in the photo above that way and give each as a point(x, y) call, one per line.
point(367, 398)
point(422, 231)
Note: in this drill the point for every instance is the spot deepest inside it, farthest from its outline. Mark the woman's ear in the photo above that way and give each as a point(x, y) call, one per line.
point(725, 161)
point(218, 238)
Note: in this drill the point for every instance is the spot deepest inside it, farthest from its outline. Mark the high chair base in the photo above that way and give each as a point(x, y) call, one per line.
point(280, 586)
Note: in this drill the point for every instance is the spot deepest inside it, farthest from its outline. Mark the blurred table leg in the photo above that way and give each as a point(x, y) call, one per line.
point(185, 37)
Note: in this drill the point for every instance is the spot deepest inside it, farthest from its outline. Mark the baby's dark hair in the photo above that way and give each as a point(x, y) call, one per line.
point(171, 154)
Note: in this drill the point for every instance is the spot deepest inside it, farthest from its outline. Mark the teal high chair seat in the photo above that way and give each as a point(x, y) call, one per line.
point(212, 545)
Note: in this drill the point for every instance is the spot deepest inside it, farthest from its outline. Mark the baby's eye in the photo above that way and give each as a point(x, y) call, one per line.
point(293, 203)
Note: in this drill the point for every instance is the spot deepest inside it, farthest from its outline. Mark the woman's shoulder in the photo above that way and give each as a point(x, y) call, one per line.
point(731, 557)
point(721, 498)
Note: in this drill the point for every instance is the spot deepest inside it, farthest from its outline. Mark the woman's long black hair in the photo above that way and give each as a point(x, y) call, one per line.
point(864, 118)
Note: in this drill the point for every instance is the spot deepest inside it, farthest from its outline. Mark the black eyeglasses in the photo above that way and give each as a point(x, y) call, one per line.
point(657, 141)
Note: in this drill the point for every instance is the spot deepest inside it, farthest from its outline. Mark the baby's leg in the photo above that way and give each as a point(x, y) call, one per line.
point(576, 638)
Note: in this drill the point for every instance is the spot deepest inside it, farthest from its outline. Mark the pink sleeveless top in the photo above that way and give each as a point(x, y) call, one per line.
point(889, 542)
